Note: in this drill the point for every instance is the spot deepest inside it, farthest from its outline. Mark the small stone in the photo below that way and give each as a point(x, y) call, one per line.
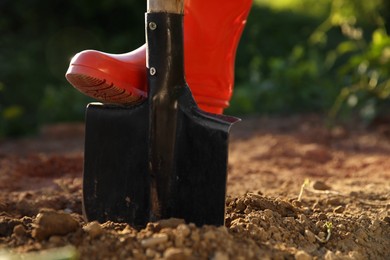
point(268, 213)
point(49, 223)
point(19, 231)
point(240, 206)
point(175, 254)
point(322, 216)
point(355, 255)
point(183, 230)
point(127, 230)
point(320, 185)
point(329, 255)
point(341, 227)
point(297, 203)
point(387, 219)
point(310, 236)
point(150, 253)
point(220, 256)
point(195, 236)
point(171, 223)
point(339, 209)
point(94, 229)
point(302, 255)
point(155, 240)
point(310, 248)
point(333, 202)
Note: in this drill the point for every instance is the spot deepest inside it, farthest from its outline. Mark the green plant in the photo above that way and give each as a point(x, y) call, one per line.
point(329, 228)
point(361, 60)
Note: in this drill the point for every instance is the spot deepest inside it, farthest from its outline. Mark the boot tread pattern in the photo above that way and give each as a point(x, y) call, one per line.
point(101, 89)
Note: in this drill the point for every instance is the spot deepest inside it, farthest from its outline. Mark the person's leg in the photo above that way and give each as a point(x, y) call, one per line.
point(212, 30)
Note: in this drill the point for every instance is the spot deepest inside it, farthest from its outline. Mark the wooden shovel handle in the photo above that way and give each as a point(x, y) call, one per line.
point(167, 6)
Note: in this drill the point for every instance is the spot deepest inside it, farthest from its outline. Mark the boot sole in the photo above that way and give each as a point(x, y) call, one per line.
point(100, 88)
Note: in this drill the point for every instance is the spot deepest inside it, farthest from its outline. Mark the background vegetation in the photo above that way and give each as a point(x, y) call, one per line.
point(296, 56)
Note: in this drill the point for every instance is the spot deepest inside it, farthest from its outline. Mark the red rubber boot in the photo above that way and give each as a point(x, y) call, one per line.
point(211, 35)
point(212, 30)
point(112, 78)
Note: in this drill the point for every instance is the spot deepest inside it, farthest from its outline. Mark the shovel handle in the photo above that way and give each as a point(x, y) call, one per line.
point(166, 6)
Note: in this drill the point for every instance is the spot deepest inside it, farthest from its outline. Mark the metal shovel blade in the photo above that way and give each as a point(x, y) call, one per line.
point(116, 181)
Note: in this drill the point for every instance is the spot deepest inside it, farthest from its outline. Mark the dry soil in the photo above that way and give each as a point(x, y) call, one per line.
point(296, 190)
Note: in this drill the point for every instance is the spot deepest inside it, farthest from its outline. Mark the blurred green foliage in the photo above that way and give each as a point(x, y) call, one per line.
point(294, 56)
point(38, 39)
point(332, 57)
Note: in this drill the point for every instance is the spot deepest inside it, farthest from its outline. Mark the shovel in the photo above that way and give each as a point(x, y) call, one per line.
point(164, 157)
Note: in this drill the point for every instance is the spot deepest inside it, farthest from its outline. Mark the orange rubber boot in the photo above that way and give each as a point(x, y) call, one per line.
point(212, 30)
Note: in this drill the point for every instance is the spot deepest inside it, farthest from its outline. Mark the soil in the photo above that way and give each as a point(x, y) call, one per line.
point(296, 190)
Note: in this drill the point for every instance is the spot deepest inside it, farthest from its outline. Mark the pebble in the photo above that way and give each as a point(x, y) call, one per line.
point(355, 255)
point(329, 255)
point(150, 253)
point(333, 201)
point(19, 231)
point(220, 256)
point(49, 223)
point(195, 236)
point(183, 230)
point(302, 255)
point(155, 240)
point(175, 254)
point(322, 216)
point(171, 223)
point(341, 227)
point(94, 229)
point(297, 203)
point(320, 185)
point(310, 236)
point(268, 213)
point(240, 206)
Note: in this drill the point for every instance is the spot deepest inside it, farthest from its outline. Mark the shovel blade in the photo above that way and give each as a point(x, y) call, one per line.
point(115, 181)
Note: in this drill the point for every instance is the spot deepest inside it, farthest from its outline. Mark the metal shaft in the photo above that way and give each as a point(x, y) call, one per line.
point(166, 83)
